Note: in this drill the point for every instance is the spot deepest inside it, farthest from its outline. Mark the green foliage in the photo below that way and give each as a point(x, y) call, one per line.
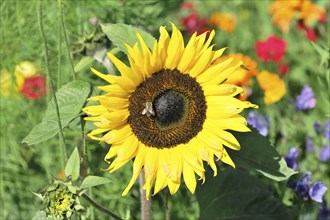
point(72, 167)
point(91, 181)
point(123, 33)
point(70, 100)
point(235, 194)
point(259, 155)
point(25, 169)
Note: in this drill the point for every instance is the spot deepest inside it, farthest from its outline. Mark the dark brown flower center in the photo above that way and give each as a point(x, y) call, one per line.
point(167, 109)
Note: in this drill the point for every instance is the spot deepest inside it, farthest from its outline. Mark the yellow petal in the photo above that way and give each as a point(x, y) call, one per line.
point(189, 177)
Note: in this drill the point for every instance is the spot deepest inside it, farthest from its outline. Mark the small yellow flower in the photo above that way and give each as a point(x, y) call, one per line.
point(272, 85)
point(26, 69)
point(5, 83)
point(224, 21)
point(8, 86)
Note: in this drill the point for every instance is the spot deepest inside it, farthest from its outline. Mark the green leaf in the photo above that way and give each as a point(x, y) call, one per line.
point(324, 53)
point(123, 33)
point(235, 194)
point(72, 167)
point(70, 99)
point(83, 63)
point(91, 181)
point(258, 154)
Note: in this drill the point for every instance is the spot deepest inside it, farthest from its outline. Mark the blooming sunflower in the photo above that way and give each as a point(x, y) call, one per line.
point(169, 111)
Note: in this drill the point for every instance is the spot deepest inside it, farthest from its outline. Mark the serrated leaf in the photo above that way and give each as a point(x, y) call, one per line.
point(72, 167)
point(91, 181)
point(258, 154)
point(122, 33)
point(70, 99)
point(235, 194)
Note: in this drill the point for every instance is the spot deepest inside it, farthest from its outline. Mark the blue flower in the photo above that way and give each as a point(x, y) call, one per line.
point(302, 186)
point(317, 191)
point(327, 130)
point(324, 154)
point(317, 127)
point(306, 99)
point(260, 122)
point(324, 212)
point(291, 158)
point(309, 145)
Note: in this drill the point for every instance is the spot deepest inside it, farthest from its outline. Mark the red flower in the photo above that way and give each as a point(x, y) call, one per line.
point(193, 23)
point(310, 33)
point(34, 87)
point(283, 68)
point(187, 5)
point(272, 49)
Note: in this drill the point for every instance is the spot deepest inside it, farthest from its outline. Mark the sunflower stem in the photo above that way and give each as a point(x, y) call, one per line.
point(145, 203)
point(100, 208)
point(66, 38)
point(167, 213)
point(64, 154)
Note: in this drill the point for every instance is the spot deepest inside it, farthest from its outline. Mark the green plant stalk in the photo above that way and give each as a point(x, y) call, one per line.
point(66, 38)
point(145, 204)
point(59, 50)
point(100, 208)
point(64, 154)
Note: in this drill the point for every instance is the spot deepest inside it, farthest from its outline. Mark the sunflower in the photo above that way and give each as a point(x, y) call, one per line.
point(169, 111)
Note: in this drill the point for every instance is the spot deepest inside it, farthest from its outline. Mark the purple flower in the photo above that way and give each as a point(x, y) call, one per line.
point(324, 212)
point(259, 122)
point(317, 127)
point(309, 145)
point(324, 154)
point(317, 191)
point(302, 185)
point(291, 158)
point(306, 99)
point(327, 130)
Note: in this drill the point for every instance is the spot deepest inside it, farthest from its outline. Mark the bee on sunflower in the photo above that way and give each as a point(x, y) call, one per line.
point(169, 110)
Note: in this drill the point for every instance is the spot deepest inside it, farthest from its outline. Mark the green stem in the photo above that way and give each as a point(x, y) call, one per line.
point(64, 154)
point(59, 49)
point(66, 38)
point(100, 208)
point(145, 204)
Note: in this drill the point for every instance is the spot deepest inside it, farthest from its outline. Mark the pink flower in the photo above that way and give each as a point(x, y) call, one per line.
point(273, 49)
point(34, 87)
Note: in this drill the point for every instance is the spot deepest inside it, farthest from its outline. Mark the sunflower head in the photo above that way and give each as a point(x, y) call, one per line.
point(61, 200)
point(169, 110)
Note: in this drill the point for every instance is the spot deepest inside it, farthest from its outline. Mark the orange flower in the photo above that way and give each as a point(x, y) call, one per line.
point(272, 85)
point(284, 11)
point(224, 21)
point(242, 76)
point(310, 12)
